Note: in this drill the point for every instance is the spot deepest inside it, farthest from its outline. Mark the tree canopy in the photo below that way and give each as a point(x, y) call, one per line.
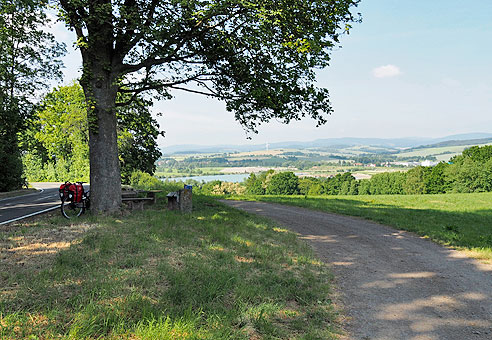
point(257, 56)
point(28, 58)
point(57, 140)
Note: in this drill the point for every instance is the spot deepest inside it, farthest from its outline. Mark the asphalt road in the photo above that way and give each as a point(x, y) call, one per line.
point(16, 208)
point(392, 284)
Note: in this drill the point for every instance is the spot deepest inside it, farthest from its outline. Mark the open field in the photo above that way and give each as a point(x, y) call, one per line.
point(463, 221)
point(215, 274)
point(256, 154)
point(323, 161)
point(332, 170)
point(441, 153)
point(252, 169)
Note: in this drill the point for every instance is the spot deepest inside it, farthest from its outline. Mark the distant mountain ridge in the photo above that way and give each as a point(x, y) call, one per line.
point(455, 143)
point(408, 142)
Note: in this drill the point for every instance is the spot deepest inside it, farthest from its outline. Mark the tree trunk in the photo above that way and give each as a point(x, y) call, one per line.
point(99, 81)
point(103, 146)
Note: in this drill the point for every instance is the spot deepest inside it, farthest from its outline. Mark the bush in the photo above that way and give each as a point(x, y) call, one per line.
point(415, 180)
point(227, 188)
point(436, 181)
point(310, 186)
point(144, 181)
point(364, 187)
point(254, 186)
point(208, 188)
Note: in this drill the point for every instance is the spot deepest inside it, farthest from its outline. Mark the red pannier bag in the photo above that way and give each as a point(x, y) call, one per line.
point(76, 189)
point(64, 190)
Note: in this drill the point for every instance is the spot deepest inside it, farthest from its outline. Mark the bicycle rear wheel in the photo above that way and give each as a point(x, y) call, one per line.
point(71, 209)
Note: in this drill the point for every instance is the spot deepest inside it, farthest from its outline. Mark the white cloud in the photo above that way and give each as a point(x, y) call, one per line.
point(386, 71)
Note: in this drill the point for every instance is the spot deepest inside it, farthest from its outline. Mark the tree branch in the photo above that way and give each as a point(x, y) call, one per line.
point(76, 16)
point(127, 40)
point(196, 91)
point(188, 36)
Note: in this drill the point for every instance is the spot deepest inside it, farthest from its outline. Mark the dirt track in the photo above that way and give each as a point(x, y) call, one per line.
point(393, 285)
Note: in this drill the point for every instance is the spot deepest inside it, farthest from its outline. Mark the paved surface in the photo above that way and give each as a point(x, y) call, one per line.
point(16, 207)
point(392, 284)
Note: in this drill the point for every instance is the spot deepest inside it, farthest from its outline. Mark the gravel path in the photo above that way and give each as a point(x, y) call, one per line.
point(393, 284)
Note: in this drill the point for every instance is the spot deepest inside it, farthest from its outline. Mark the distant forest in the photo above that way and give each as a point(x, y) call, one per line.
point(292, 159)
point(469, 172)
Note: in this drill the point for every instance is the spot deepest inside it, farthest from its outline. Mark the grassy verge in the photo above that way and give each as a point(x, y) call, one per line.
point(215, 274)
point(17, 193)
point(463, 221)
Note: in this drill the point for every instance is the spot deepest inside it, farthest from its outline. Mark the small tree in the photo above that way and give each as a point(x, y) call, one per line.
point(415, 180)
point(254, 185)
point(364, 187)
point(436, 181)
point(283, 183)
point(309, 186)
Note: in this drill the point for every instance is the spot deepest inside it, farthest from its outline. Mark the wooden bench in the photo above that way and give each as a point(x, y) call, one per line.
point(152, 194)
point(134, 202)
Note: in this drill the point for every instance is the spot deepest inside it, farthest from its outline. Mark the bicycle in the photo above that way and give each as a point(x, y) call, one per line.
point(74, 199)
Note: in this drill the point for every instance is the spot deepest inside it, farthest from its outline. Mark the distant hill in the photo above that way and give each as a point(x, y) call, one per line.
point(456, 143)
point(464, 137)
point(410, 142)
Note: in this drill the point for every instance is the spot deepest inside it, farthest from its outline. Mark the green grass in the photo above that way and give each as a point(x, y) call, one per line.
point(462, 221)
point(215, 274)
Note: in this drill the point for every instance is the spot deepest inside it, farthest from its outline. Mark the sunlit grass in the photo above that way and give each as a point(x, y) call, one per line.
point(463, 221)
point(215, 274)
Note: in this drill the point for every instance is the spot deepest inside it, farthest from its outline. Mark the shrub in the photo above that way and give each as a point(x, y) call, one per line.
point(228, 188)
point(254, 186)
point(415, 180)
point(310, 186)
point(364, 187)
point(144, 181)
point(208, 188)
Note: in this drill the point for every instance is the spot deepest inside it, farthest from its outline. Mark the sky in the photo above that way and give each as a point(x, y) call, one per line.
point(412, 68)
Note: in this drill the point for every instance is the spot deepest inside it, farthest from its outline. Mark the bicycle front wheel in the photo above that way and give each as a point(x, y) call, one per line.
point(71, 210)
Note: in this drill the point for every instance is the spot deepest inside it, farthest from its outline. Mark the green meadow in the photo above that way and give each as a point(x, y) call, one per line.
point(462, 221)
point(217, 273)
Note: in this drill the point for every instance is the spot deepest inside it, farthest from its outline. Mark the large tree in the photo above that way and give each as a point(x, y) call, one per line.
point(28, 57)
point(257, 56)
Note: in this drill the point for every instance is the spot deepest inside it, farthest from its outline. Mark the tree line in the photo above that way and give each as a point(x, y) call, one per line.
point(469, 172)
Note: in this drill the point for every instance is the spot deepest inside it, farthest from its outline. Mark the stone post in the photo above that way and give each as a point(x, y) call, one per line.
point(185, 200)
